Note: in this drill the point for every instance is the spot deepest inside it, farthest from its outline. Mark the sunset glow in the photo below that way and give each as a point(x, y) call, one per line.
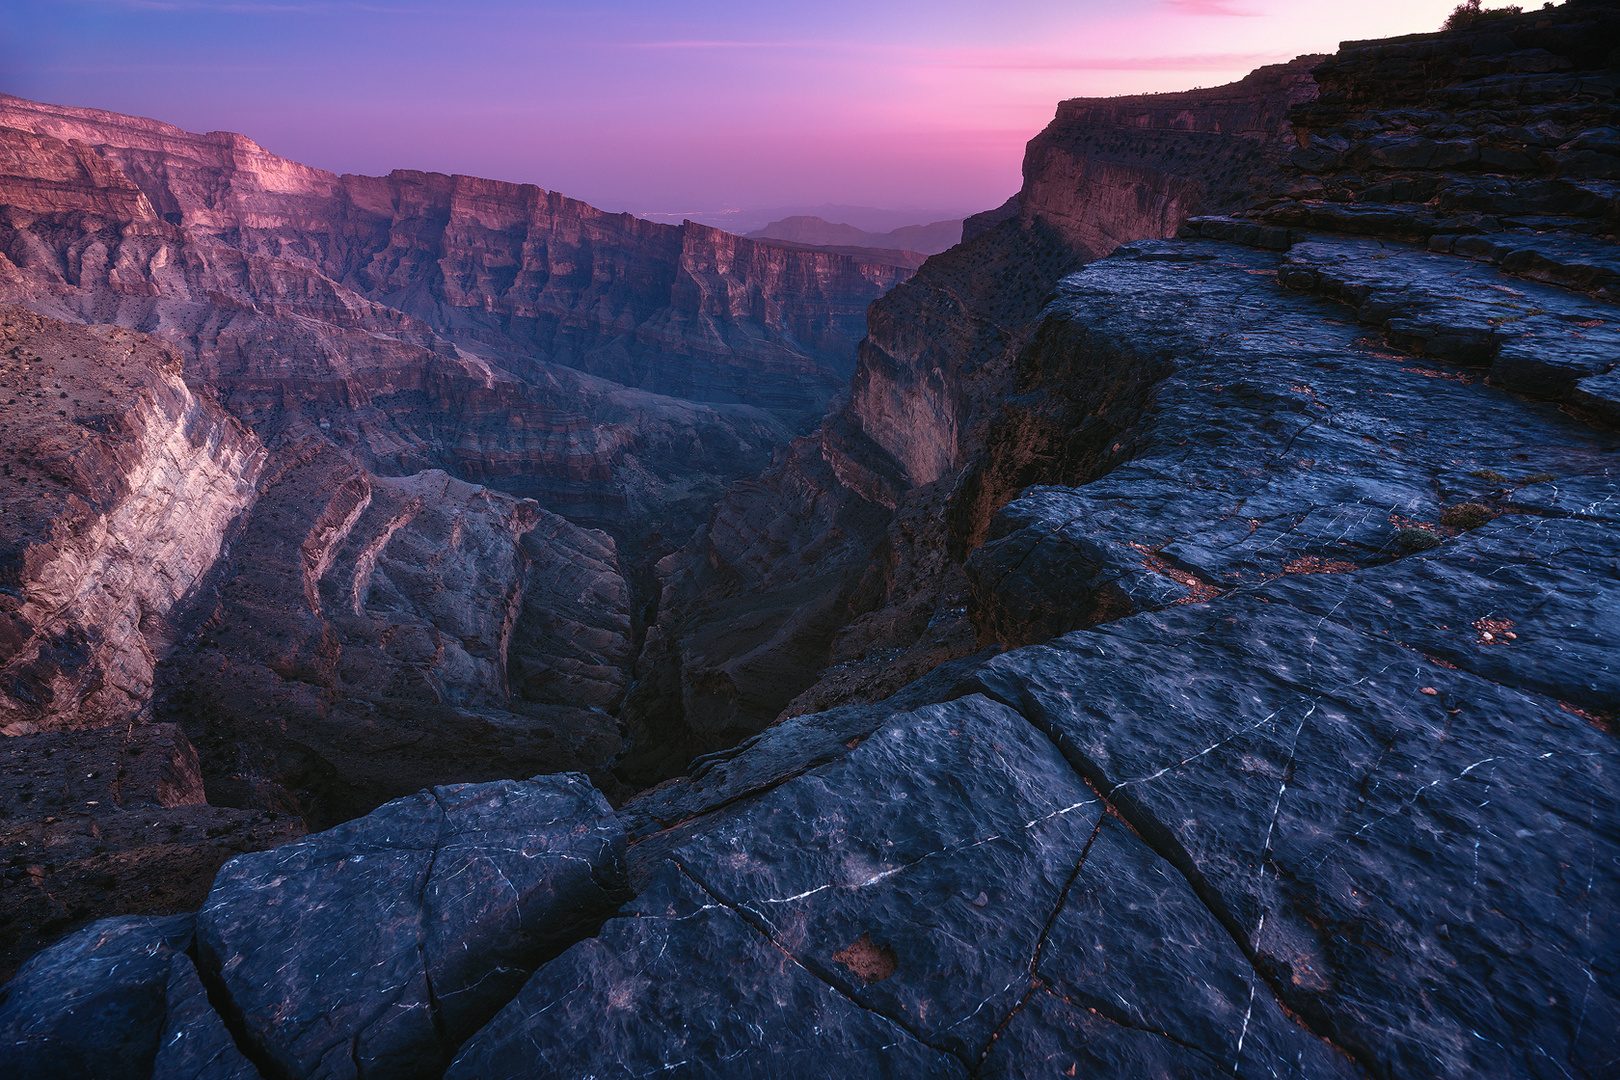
point(661, 108)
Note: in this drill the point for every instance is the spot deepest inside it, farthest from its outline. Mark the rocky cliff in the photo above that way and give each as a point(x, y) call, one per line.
point(508, 265)
point(1290, 749)
point(1312, 775)
point(453, 314)
point(328, 637)
point(1110, 170)
point(841, 558)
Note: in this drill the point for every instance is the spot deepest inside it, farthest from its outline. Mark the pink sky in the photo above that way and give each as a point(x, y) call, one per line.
point(662, 107)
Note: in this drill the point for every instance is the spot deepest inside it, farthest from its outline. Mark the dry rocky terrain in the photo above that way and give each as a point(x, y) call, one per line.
point(1187, 648)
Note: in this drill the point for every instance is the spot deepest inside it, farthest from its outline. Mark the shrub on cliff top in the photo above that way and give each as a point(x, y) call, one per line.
point(1468, 11)
point(1468, 515)
point(1416, 539)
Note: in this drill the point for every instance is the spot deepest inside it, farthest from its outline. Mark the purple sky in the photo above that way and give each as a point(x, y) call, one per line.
point(662, 107)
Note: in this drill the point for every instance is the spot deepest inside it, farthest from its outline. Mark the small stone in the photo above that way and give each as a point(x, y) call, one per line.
point(981, 900)
point(1431, 691)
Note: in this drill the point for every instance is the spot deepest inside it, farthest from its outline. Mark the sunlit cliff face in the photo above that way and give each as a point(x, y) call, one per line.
point(656, 108)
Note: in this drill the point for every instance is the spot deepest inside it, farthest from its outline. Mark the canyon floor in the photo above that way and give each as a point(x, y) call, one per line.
point(1177, 639)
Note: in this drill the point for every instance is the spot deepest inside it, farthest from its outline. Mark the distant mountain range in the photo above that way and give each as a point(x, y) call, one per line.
point(742, 220)
point(930, 239)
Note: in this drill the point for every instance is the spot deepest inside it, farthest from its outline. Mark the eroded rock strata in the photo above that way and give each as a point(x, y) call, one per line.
point(1265, 619)
point(149, 210)
point(328, 637)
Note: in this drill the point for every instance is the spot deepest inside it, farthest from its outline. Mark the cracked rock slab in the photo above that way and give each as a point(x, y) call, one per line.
point(1595, 496)
point(1278, 438)
point(938, 882)
point(92, 1005)
point(1386, 770)
point(681, 986)
point(1547, 582)
point(1536, 338)
point(1133, 944)
point(195, 1043)
point(1050, 1037)
point(1417, 858)
point(657, 821)
point(375, 948)
point(948, 837)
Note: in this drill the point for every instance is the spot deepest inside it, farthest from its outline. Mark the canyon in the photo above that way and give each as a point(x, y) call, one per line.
point(357, 480)
point(451, 631)
point(850, 550)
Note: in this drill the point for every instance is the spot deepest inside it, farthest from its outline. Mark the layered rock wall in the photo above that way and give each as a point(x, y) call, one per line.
point(369, 634)
point(515, 266)
point(121, 485)
point(244, 292)
point(265, 523)
point(1504, 127)
point(377, 334)
point(508, 266)
point(1109, 170)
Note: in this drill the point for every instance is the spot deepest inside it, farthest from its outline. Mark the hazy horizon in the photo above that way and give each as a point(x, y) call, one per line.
point(707, 110)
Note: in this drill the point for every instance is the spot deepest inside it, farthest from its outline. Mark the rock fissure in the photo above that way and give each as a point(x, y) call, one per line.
point(1124, 1020)
point(1035, 982)
point(434, 1009)
point(1156, 837)
point(763, 927)
point(219, 999)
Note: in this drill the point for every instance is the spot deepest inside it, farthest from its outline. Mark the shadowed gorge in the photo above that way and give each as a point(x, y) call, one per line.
point(846, 555)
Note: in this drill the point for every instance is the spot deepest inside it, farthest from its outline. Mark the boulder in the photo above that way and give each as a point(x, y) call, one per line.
point(91, 1007)
point(375, 948)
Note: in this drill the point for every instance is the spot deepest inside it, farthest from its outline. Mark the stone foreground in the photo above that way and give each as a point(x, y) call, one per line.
point(1338, 799)
point(372, 949)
